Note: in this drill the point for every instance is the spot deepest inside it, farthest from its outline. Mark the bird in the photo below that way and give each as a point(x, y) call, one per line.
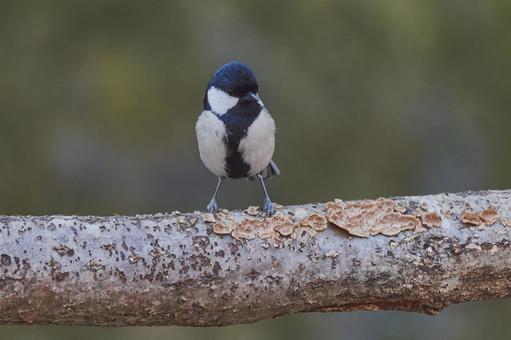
point(236, 132)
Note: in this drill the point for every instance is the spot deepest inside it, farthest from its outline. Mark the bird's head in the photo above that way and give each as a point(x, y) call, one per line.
point(232, 84)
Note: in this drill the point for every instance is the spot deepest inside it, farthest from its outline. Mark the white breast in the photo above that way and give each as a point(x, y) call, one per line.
point(210, 137)
point(258, 146)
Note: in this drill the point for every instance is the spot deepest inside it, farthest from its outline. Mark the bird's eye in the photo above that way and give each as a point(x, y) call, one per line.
point(230, 91)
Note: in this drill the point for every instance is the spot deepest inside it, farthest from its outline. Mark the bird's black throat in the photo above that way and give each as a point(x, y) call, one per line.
point(237, 121)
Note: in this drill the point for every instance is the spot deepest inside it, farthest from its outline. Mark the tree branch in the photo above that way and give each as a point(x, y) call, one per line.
point(411, 254)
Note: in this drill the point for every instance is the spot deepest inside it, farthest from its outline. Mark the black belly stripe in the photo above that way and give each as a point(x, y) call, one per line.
point(237, 121)
point(236, 167)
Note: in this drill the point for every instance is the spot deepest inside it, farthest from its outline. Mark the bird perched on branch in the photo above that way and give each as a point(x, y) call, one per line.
point(235, 132)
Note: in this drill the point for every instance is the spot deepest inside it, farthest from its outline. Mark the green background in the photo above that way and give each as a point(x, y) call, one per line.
point(98, 101)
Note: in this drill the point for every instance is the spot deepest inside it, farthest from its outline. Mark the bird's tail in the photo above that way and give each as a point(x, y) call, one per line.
point(271, 170)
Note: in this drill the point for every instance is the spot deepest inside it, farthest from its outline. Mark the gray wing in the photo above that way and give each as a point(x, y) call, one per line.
point(271, 170)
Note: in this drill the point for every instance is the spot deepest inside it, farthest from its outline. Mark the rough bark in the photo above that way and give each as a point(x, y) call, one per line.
point(407, 253)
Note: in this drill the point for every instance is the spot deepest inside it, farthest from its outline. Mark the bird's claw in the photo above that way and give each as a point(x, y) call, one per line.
point(268, 209)
point(212, 206)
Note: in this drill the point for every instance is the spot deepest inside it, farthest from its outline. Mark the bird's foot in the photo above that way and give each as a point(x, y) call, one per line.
point(268, 209)
point(212, 206)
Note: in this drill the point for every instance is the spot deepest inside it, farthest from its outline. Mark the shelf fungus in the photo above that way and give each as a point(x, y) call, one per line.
point(315, 221)
point(208, 218)
point(431, 219)
point(487, 217)
point(222, 228)
point(471, 218)
point(282, 224)
point(247, 229)
point(370, 217)
point(252, 210)
point(363, 218)
point(506, 222)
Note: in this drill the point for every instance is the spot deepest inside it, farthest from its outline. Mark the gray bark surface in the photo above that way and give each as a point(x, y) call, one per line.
point(407, 253)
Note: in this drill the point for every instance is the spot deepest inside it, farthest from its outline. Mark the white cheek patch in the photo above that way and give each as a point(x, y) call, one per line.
point(220, 101)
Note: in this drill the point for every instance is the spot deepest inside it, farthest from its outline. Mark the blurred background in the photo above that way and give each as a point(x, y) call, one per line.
point(98, 101)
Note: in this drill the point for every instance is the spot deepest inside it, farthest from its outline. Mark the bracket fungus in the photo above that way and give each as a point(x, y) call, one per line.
point(370, 217)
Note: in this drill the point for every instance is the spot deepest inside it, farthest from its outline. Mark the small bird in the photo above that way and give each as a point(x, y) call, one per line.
point(235, 132)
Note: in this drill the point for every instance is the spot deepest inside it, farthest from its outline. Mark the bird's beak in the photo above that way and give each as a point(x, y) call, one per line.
point(250, 97)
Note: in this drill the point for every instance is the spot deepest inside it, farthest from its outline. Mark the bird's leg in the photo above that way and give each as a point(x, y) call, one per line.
point(267, 204)
point(213, 206)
